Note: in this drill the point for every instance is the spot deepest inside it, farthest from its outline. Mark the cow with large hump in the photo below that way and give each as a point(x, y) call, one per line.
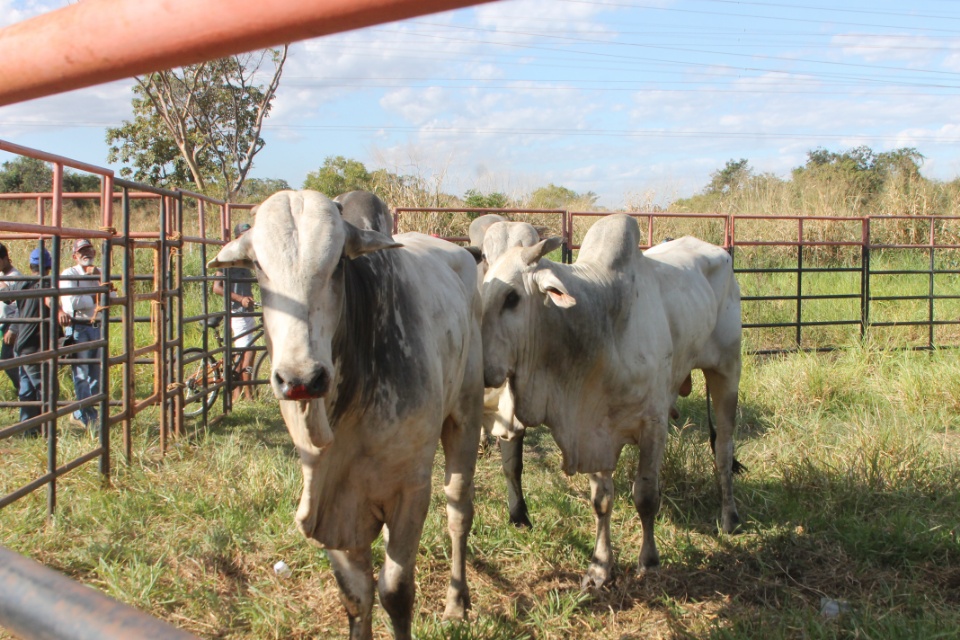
point(597, 351)
point(376, 357)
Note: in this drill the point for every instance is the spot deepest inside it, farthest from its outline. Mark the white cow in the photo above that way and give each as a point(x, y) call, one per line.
point(478, 227)
point(598, 351)
point(490, 236)
point(376, 355)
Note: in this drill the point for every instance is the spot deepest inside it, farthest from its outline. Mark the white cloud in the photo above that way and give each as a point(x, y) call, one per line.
point(875, 48)
point(13, 11)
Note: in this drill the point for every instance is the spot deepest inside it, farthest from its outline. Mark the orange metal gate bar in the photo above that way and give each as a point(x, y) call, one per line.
point(97, 41)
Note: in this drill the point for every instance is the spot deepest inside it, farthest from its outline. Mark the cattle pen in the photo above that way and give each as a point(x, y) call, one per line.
point(810, 284)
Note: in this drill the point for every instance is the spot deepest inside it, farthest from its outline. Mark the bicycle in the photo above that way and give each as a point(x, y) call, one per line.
point(208, 372)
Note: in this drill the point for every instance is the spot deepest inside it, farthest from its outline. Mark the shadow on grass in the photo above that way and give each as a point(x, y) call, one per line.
point(259, 420)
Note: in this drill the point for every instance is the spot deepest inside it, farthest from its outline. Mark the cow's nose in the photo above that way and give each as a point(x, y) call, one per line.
point(299, 389)
point(320, 383)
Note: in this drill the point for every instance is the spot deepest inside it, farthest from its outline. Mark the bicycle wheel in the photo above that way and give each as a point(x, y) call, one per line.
point(204, 371)
point(261, 373)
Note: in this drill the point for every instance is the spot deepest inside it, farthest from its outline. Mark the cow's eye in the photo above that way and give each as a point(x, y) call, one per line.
point(511, 301)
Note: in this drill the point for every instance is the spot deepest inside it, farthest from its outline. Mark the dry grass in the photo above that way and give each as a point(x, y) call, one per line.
point(850, 496)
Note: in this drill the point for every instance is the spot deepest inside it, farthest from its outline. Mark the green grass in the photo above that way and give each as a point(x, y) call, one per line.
point(851, 496)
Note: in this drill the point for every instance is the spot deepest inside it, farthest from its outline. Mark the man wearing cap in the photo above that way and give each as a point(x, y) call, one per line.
point(78, 317)
point(8, 312)
point(34, 337)
point(241, 301)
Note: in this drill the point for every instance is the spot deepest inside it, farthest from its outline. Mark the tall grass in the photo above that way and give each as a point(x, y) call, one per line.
point(851, 497)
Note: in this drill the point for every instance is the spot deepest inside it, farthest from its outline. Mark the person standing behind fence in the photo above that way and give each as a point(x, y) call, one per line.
point(33, 337)
point(241, 301)
point(8, 311)
point(78, 317)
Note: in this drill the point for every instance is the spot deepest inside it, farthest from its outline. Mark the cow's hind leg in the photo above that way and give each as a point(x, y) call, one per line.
point(401, 542)
point(723, 390)
point(511, 460)
point(601, 564)
point(646, 487)
point(459, 440)
point(353, 569)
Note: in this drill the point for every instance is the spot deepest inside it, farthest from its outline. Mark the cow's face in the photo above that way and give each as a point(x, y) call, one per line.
point(297, 247)
point(513, 291)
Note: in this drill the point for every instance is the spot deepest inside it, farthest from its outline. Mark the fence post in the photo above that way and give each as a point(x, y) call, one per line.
point(865, 243)
point(799, 280)
point(37, 602)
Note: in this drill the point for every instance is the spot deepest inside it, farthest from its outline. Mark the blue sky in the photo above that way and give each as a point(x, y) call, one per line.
point(638, 101)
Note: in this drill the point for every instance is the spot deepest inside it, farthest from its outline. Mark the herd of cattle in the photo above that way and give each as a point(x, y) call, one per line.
point(382, 346)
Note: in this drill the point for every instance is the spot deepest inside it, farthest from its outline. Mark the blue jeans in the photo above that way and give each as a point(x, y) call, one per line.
point(6, 352)
point(86, 377)
point(31, 384)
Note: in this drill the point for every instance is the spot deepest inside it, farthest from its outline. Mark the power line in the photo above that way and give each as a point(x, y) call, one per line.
point(686, 50)
point(836, 9)
point(748, 15)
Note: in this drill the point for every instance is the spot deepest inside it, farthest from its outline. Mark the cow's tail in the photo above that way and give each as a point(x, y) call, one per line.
point(736, 467)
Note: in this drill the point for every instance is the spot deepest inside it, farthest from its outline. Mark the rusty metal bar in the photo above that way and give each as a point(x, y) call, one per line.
point(42, 155)
point(127, 325)
point(37, 602)
point(98, 41)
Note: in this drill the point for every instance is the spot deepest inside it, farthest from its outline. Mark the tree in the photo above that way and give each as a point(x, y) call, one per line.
point(26, 175)
point(199, 124)
point(339, 175)
point(733, 176)
point(81, 182)
point(475, 199)
point(29, 175)
point(256, 190)
point(554, 197)
point(858, 176)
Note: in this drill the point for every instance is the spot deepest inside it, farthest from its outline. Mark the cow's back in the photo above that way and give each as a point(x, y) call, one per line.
point(705, 320)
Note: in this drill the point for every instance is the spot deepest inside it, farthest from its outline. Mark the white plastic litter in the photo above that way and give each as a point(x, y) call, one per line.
point(830, 608)
point(281, 569)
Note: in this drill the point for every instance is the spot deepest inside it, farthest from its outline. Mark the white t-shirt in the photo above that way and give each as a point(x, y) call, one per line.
point(9, 310)
point(81, 306)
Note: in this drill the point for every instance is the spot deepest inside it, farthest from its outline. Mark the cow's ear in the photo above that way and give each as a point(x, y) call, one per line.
point(476, 252)
point(532, 255)
point(238, 253)
point(556, 291)
point(361, 241)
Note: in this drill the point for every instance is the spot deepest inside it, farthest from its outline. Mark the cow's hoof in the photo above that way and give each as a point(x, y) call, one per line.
point(458, 603)
point(521, 521)
point(595, 578)
point(731, 523)
point(649, 562)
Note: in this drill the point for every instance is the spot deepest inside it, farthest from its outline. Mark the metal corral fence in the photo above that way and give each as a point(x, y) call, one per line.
point(152, 248)
point(812, 283)
point(807, 283)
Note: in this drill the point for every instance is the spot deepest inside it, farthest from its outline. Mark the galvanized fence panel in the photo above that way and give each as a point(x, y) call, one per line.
point(808, 282)
point(140, 291)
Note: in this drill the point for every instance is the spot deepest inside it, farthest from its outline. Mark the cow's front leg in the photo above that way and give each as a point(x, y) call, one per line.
point(353, 569)
point(401, 542)
point(601, 564)
point(511, 461)
point(459, 440)
point(646, 487)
